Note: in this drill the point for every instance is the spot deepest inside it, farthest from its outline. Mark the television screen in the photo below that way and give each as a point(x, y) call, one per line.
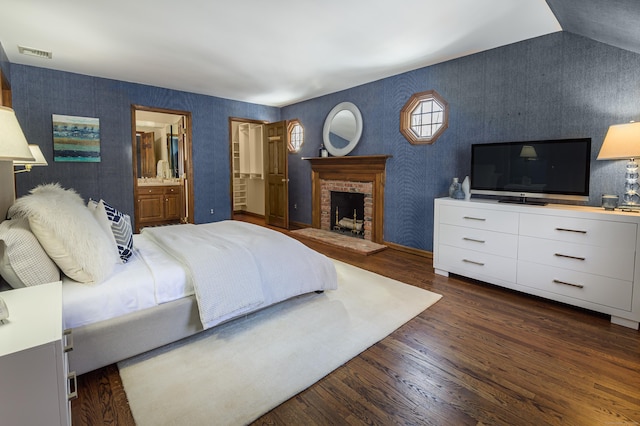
point(555, 169)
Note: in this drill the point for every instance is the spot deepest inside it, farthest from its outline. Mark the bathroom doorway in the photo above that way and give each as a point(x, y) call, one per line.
point(162, 166)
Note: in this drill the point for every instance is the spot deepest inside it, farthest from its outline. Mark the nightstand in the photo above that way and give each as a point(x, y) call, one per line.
point(34, 380)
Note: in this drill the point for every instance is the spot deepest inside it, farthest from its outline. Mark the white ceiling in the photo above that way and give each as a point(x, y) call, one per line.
point(275, 52)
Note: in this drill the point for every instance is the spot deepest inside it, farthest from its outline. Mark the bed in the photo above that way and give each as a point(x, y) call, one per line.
point(176, 281)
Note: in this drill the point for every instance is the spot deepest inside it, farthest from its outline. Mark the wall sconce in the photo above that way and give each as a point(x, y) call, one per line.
point(622, 142)
point(13, 144)
point(39, 160)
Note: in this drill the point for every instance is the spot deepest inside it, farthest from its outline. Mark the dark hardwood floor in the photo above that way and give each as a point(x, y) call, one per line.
point(482, 355)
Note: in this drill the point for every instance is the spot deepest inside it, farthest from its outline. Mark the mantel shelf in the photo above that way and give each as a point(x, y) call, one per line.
point(361, 163)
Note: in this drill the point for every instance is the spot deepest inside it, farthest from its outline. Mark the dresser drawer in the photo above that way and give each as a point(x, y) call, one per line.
point(490, 220)
point(578, 285)
point(612, 262)
point(490, 242)
point(581, 231)
point(476, 264)
point(150, 190)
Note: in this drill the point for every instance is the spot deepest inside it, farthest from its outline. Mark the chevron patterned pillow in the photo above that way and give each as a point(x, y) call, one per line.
point(121, 228)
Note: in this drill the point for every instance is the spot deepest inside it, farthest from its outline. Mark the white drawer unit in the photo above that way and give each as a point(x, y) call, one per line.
point(35, 385)
point(487, 219)
point(482, 266)
point(496, 243)
point(584, 256)
point(570, 285)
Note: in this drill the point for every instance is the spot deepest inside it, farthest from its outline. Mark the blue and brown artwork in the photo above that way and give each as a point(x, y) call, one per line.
point(76, 139)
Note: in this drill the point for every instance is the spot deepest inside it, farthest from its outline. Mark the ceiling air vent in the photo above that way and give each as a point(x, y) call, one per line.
point(34, 52)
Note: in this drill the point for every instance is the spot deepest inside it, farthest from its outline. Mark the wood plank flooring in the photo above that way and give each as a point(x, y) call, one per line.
point(482, 355)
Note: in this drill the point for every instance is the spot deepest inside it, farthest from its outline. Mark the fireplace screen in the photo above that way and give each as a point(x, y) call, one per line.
point(347, 210)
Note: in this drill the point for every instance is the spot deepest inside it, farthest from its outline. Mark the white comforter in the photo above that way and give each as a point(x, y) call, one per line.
point(236, 267)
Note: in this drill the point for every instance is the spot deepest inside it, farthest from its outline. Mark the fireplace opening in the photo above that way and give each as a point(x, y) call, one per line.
point(347, 213)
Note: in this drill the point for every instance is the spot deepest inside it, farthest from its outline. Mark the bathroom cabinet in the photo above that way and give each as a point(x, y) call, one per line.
point(158, 205)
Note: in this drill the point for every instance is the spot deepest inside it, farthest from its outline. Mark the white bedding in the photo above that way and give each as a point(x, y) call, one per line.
point(148, 279)
point(236, 267)
point(285, 266)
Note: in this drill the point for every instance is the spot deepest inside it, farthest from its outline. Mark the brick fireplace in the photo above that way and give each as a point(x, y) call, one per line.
point(359, 174)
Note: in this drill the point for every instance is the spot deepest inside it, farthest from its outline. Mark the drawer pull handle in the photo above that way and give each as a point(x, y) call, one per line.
point(577, 231)
point(72, 380)
point(473, 262)
point(569, 284)
point(570, 257)
point(473, 240)
point(474, 218)
point(68, 340)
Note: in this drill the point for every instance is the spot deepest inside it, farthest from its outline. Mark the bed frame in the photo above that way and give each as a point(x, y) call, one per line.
point(107, 342)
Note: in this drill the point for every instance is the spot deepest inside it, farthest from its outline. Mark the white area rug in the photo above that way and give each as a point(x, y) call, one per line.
point(235, 372)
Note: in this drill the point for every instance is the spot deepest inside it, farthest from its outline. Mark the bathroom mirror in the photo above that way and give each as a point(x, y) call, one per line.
point(342, 129)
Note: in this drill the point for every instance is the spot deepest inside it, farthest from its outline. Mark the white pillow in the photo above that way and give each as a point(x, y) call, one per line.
point(68, 232)
point(23, 261)
point(100, 214)
point(117, 225)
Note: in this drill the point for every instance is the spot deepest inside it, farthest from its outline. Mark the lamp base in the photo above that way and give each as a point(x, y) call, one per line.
point(632, 208)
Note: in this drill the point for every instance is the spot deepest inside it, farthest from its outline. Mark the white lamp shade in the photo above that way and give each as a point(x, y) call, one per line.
point(13, 144)
point(39, 159)
point(528, 151)
point(622, 142)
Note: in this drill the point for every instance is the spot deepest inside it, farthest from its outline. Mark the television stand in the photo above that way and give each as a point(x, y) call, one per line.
point(583, 256)
point(523, 200)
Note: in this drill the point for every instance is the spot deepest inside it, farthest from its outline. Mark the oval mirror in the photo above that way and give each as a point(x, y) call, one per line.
point(342, 129)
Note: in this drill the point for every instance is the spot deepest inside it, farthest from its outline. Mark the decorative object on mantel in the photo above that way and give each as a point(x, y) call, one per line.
point(342, 129)
point(622, 142)
point(466, 188)
point(76, 139)
point(322, 152)
point(424, 117)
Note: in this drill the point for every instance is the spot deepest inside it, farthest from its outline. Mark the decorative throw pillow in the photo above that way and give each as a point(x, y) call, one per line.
point(23, 261)
point(68, 232)
point(121, 229)
point(98, 211)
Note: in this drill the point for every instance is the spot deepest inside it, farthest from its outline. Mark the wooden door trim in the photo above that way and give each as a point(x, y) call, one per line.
point(189, 190)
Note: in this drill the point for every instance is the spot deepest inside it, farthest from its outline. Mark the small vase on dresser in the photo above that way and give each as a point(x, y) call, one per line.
point(466, 188)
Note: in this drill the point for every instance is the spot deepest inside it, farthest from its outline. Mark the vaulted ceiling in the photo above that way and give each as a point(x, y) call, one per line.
point(280, 52)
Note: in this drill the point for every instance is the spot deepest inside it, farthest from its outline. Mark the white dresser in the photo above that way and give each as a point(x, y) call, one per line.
point(34, 379)
point(583, 256)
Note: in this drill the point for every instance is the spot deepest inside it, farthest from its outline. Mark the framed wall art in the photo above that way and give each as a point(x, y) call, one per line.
point(76, 139)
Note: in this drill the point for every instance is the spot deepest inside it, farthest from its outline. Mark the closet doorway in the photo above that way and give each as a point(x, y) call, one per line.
point(259, 172)
point(162, 166)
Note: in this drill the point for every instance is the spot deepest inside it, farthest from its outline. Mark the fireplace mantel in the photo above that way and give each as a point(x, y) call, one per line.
point(364, 168)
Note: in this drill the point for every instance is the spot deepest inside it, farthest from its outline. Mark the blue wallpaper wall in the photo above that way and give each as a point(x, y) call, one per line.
point(557, 86)
point(38, 93)
point(552, 87)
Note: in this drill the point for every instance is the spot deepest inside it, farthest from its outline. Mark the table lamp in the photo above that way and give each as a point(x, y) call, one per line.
point(622, 142)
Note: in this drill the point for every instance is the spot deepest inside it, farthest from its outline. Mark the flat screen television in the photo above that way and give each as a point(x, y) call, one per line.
point(549, 169)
